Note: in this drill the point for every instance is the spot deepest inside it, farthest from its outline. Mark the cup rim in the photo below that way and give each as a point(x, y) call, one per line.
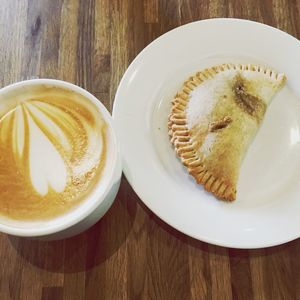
point(67, 221)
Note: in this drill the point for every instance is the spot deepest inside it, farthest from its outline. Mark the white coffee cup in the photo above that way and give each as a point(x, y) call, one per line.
point(95, 205)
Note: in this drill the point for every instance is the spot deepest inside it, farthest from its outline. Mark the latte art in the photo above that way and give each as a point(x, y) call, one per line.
point(53, 147)
point(51, 135)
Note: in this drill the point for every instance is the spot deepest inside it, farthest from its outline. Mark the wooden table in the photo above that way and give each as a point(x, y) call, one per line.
point(130, 253)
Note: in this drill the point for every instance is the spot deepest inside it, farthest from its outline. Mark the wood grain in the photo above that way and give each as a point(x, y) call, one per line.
point(130, 253)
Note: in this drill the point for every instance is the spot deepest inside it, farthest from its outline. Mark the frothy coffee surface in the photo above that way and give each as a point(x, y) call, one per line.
point(52, 151)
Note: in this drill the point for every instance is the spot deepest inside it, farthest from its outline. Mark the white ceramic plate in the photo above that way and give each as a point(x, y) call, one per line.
point(267, 209)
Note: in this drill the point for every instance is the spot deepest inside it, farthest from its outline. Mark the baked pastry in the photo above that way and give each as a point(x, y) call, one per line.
point(214, 118)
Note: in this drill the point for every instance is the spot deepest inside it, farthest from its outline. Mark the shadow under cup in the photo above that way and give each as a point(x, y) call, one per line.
point(92, 167)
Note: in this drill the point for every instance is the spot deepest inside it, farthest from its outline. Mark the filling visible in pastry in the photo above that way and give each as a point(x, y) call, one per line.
point(214, 118)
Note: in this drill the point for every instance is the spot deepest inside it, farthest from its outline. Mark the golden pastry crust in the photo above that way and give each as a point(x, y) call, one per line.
point(233, 123)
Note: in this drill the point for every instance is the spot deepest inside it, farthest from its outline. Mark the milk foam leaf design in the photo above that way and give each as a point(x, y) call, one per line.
point(47, 166)
point(94, 142)
point(65, 121)
point(18, 132)
point(51, 144)
point(30, 127)
point(54, 130)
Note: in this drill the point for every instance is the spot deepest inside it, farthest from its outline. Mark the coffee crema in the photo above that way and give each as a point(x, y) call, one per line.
point(52, 151)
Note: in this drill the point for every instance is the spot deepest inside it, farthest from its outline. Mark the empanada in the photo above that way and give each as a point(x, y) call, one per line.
point(215, 117)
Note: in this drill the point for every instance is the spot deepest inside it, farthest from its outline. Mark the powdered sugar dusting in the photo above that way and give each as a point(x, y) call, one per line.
point(201, 102)
point(265, 85)
point(203, 98)
point(208, 143)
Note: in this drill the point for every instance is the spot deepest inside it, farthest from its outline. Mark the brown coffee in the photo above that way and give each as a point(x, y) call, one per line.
point(52, 151)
